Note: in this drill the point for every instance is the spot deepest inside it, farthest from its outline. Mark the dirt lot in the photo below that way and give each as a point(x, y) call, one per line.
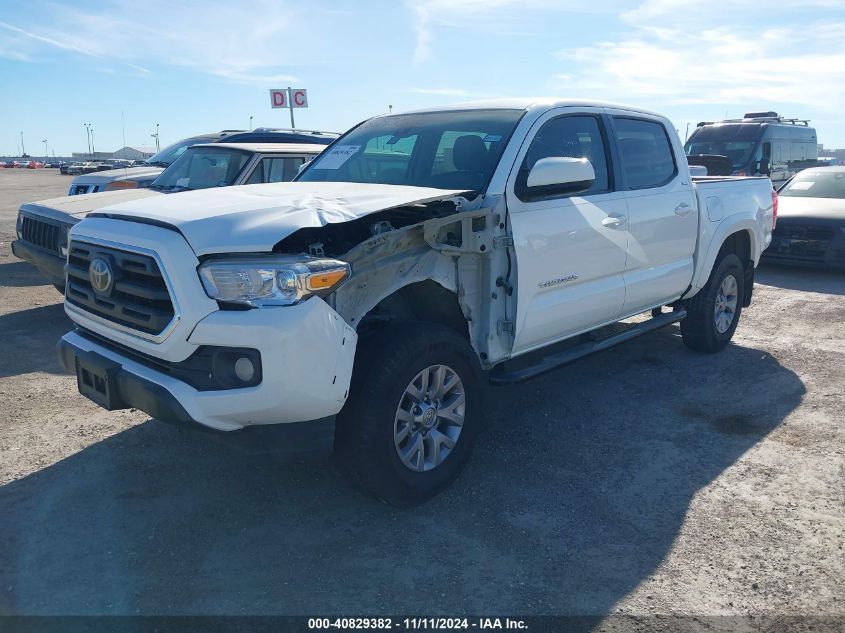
point(645, 480)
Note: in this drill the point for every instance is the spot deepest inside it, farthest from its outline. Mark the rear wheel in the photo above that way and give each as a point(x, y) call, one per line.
point(713, 314)
point(410, 423)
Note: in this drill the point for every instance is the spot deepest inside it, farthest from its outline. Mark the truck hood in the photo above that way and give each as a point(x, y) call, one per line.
point(254, 218)
point(811, 208)
point(122, 173)
point(70, 208)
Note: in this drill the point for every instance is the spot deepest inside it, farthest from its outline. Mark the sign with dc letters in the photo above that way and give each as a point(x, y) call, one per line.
point(288, 98)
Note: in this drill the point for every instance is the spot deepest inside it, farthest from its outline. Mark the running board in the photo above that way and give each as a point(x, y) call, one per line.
point(548, 363)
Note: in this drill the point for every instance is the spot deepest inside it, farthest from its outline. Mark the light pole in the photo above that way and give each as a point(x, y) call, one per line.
point(46, 155)
point(93, 151)
point(250, 123)
point(23, 149)
point(155, 136)
point(88, 136)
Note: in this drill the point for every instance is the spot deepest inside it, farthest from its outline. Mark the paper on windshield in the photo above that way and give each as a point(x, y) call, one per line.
point(802, 185)
point(337, 156)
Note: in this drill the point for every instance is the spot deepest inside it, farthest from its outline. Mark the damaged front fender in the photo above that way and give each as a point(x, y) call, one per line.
point(459, 252)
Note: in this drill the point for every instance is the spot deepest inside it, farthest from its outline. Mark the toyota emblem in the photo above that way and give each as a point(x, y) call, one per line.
point(101, 276)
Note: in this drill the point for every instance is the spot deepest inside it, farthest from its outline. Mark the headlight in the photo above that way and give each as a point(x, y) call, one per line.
point(121, 184)
point(271, 281)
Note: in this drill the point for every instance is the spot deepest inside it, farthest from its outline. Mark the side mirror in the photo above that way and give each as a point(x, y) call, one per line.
point(303, 166)
point(763, 166)
point(560, 175)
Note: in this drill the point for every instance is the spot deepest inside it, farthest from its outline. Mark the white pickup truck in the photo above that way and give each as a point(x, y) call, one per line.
point(358, 307)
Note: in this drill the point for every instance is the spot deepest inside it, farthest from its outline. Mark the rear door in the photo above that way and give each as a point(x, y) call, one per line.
point(662, 211)
point(570, 249)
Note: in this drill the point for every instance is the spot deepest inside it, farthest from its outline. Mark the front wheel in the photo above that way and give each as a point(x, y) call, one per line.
point(713, 314)
point(410, 423)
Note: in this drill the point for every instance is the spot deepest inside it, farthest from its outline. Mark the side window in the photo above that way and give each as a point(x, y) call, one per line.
point(568, 136)
point(781, 152)
point(274, 170)
point(647, 159)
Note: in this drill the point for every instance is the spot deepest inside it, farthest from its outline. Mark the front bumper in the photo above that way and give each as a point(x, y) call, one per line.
point(49, 265)
point(807, 242)
point(313, 439)
point(307, 352)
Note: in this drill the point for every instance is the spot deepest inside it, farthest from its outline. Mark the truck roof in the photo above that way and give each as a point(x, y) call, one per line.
point(529, 103)
point(275, 148)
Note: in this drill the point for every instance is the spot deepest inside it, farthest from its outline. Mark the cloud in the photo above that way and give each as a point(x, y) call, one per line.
point(141, 70)
point(242, 44)
point(57, 43)
point(448, 92)
point(428, 15)
point(664, 60)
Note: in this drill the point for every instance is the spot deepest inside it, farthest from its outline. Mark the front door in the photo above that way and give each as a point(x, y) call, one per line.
point(570, 249)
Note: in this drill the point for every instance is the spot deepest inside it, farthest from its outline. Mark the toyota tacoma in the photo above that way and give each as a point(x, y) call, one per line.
point(359, 307)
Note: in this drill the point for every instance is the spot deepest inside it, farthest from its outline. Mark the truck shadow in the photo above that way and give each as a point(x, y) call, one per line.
point(22, 274)
point(830, 282)
point(32, 336)
point(575, 494)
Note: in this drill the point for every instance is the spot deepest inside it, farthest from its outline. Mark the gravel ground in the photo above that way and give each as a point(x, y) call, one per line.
point(644, 480)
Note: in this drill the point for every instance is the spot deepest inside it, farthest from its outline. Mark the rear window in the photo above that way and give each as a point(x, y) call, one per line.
point(275, 169)
point(647, 159)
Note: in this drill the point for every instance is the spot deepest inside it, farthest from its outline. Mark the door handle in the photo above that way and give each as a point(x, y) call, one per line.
point(683, 209)
point(613, 220)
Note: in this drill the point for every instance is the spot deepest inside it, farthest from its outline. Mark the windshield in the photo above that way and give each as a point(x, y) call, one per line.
point(444, 150)
point(737, 142)
point(170, 153)
point(201, 168)
point(813, 183)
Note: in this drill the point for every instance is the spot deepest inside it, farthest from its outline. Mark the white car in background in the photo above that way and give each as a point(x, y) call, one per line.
point(42, 227)
point(811, 220)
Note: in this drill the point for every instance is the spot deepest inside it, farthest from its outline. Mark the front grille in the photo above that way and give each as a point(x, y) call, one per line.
point(138, 298)
point(46, 235)
point(801, 240)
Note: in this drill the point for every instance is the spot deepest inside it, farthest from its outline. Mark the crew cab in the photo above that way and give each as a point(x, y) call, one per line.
point(42, 227)
point(358, 307)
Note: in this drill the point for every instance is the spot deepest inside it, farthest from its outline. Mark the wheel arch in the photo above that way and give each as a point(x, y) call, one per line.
point(425, 300)
point(737, 238)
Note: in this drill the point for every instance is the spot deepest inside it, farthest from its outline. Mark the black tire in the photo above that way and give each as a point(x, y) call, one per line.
point(385, 365)
point(699, 329)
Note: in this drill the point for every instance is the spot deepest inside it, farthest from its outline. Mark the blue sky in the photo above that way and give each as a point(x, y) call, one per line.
point(199, 66)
